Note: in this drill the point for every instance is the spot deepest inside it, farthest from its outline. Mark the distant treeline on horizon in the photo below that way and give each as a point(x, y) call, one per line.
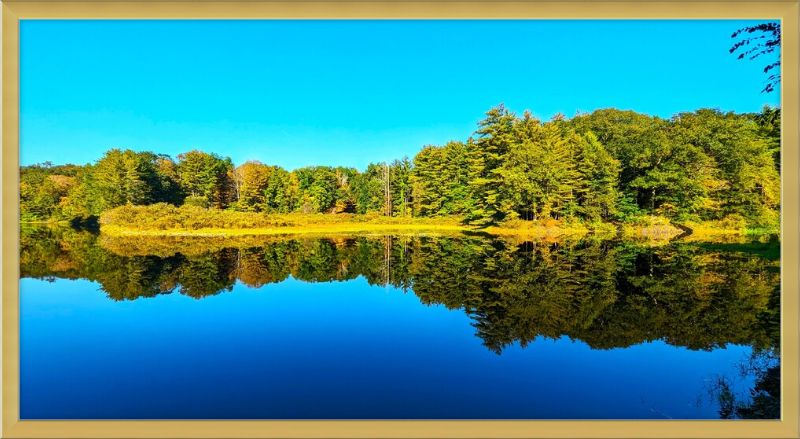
point(609, 165)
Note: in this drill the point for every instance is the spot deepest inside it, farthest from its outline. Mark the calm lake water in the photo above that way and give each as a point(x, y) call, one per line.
point(461, 327)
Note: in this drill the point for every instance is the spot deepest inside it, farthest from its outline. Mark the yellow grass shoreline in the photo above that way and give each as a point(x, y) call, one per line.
point(292, 230)
point(659, 232)
point(531, 231)
point(167, 220)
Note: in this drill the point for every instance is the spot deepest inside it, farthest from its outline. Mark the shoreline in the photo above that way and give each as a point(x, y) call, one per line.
point(290, 230)
point(166, 220)
point(653, 229)
point(649, 232)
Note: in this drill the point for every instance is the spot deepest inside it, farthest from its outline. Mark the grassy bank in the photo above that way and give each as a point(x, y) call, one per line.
point(319, 229)
point(728, 230)
point(168, 220)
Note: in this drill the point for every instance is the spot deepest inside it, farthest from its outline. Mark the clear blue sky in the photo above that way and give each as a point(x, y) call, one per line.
point(299, 93)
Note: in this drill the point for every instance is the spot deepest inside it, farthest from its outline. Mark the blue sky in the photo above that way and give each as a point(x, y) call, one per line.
point(299, 93)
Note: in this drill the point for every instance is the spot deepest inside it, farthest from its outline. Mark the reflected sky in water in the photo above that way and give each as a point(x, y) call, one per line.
point(326, 350)
point(371, 327)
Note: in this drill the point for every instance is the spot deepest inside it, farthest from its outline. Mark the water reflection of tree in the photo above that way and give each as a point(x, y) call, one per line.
point(607, 294)
point(209, 274)
point(762, 401)
point(766, 397)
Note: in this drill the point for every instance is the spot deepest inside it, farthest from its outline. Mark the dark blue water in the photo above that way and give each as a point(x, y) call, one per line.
point(328, 350)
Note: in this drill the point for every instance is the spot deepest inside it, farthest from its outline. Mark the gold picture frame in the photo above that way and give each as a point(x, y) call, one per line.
point(787, 11)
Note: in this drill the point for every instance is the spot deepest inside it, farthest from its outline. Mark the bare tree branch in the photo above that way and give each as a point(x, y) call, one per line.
point(771, 33)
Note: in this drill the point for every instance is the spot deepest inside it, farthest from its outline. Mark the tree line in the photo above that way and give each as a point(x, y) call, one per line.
point(608, 165)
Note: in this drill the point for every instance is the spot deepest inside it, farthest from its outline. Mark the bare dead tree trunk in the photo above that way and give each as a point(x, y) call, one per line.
point(388, 191)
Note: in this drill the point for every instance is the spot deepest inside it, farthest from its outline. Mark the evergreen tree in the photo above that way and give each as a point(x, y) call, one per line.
point(484, 157)
point(123, 177)
point(599, 173)
point(539, 175)
point(206, 176)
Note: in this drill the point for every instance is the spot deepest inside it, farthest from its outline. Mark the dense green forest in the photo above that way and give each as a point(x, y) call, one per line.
point(606, 293)
point(609, 165)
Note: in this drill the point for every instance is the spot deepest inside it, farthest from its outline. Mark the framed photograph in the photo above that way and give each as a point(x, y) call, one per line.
point(400, 219)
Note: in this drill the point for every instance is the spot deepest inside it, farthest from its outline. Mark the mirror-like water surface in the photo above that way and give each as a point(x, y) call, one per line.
point(380, 327)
